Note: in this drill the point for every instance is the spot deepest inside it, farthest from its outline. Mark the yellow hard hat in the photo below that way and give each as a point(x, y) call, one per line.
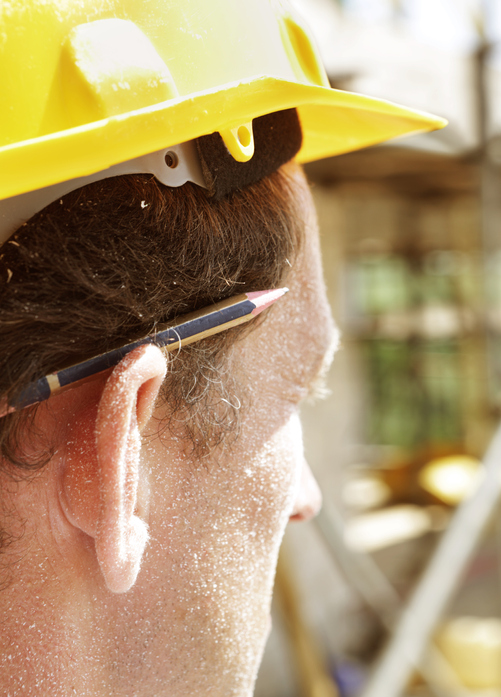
point(85, 85)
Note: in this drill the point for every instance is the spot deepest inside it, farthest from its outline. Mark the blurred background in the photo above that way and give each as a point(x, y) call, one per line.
point(396, 588)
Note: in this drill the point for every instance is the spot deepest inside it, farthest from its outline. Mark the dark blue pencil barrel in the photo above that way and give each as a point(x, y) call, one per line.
point(172, 336)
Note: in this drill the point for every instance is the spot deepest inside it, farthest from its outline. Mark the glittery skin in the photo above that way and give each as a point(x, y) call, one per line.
point(196, 620)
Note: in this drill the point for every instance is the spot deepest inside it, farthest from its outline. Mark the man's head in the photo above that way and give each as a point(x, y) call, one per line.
point(142, 511)
point(113, 260)
point(187, 611)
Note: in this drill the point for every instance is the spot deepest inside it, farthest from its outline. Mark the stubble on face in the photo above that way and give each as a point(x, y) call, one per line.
point(201, 604)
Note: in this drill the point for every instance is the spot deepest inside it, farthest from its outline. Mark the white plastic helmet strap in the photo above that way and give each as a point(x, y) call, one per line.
point(173, 166)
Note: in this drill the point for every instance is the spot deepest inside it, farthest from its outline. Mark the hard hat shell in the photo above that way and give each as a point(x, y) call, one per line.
point(85, 85)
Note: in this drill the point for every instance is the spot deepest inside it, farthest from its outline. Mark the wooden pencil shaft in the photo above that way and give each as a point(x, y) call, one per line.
point(194, 327)
point(190, 328)
point(208, 332)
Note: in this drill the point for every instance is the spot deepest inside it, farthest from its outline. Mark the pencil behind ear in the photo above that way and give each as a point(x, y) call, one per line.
point(105, 505)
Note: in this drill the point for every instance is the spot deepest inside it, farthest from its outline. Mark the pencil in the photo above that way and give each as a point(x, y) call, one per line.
point(188, 329)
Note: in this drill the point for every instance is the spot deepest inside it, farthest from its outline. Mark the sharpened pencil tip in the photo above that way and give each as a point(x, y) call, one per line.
point(264, 298)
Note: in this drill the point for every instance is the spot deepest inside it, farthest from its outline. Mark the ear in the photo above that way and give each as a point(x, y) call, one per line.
point(102, 476)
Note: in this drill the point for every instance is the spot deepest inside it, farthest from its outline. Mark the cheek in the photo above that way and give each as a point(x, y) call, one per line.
point(243, 498)
point(273, 475)
point(215, 533)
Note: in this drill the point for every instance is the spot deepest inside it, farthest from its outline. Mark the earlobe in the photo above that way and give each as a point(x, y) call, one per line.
point(105, 506)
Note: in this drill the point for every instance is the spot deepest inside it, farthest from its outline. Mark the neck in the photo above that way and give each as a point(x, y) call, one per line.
point(50, 643)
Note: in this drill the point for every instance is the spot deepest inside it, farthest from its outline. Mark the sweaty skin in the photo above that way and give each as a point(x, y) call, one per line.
point(196, 619)
point(216, 531)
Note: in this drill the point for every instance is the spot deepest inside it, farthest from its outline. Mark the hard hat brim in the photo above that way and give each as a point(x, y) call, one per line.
point(333, 122)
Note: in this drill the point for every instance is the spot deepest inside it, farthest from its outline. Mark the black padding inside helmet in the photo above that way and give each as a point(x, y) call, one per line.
point(277, 138)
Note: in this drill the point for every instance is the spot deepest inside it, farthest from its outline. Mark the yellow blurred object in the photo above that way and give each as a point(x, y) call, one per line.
point(472, 646)
point(451, 479)
point(87, 85)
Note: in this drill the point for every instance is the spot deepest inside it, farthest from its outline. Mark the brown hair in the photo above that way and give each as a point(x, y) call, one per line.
point(109, 261)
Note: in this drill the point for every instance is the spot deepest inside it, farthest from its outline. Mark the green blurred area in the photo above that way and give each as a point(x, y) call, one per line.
point(415, 392)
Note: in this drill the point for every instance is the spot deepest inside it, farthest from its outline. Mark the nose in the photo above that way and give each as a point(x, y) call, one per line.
point(309, 498)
